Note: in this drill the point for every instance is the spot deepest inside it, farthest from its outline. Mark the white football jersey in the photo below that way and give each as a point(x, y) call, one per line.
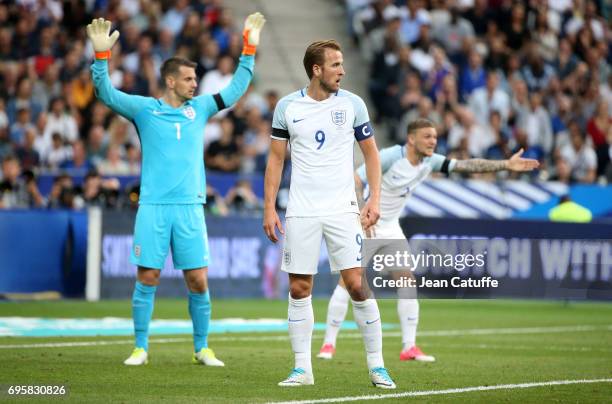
point(400, 178)
point(321, 135)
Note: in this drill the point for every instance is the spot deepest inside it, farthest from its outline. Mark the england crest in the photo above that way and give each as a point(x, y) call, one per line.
point(287, 257)
point(338, 116)
point(189, 112)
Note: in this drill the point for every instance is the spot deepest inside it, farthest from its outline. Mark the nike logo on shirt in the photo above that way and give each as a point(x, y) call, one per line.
point(297, 120)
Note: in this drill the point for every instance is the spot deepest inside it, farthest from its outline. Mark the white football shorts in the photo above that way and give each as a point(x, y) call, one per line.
point(302, 243)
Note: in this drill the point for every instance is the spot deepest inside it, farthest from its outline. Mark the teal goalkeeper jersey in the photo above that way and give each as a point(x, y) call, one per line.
point(172, 139)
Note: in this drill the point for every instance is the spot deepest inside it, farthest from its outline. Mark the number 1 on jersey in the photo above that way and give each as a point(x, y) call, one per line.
point(320, 138)
point(178, 131)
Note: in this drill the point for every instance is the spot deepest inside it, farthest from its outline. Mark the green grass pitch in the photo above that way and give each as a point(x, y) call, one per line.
point(555, 349)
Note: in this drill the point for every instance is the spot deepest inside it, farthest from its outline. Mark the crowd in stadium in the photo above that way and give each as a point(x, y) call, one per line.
point(495, 76)
point(51, 121)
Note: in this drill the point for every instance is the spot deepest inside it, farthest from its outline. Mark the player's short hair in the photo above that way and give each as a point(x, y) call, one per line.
point(171, 66)
point(315, 54)
point(420, 123)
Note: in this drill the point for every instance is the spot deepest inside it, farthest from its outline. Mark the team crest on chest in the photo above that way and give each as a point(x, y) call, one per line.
point(338, 116)
point(189, 112)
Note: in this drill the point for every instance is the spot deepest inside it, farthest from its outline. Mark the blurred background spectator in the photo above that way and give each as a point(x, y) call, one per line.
point(494, 76)
point(500, 74)
point(50, 119)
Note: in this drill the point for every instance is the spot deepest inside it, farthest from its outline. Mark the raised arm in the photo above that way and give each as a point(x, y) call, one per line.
point(515, 163)
point(274, 170)
point(124, 104)
point(244, 72)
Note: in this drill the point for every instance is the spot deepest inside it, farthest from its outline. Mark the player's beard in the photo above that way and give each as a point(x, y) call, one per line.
point(327, 87)
point(183, 96)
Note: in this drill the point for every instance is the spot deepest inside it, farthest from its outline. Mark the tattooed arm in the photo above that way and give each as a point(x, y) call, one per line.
point(515, 163)
point(480, 166)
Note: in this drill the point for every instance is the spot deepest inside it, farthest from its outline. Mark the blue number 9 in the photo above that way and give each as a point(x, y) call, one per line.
point(359, 241)
point(320, 138)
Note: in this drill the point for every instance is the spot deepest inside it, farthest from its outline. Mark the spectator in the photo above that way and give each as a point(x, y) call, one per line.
point(223, 154)
point(566, 62)
point(78, 164)
point(63, 194)
point(113, 164)
point(222, 31)
point(6, 146)
point(164, 46)
point(436, 73)
point(175, 17)
point(598, 127)
point(515, 29)
point(374, 42)
point(256, 144)
point(424, 110)
point(100, 192)
point(209, 54)
point(97, 144)
point(215, 204)
point(132, 154)
point(217, 79)
point(59, 120)
point(242, 200)
point(15, 191)
point(414, 15)
point(412, 92)
point(23, 100)
point(577, 161)
point(82, 90)
point(384, 85)
point(473, 75)
point(545, 39)
point(26, 153)
point(455, 36)
point(536, 123)
point(470, 135)
point(21, 125)
point(57, 153)
point(47, 87)
point(537, 74)
point(479, 16)
point(490, 98)
point(499, 149)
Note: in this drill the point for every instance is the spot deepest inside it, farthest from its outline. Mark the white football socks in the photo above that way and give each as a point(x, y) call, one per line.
point(301, 324)
point(336, 312)
point(367, 318)
point(408, 312)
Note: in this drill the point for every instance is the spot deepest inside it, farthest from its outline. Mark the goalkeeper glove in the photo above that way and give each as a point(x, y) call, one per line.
point(252, 30)
point(98, 33)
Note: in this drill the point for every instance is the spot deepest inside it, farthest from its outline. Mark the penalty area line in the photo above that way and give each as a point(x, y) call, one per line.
point(447, 391)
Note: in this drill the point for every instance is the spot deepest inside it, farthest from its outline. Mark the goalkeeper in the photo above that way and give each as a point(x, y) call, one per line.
point(173, 182)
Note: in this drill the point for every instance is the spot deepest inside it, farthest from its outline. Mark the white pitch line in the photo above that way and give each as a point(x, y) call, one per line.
point(447, 391)
point(439, 333)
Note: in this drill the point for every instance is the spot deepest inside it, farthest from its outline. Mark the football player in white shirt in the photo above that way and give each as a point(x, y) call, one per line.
point(321, 123)
point(404, 168)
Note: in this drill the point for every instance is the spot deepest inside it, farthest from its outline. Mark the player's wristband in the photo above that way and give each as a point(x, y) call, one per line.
point(103, 55)
point(247, 49)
